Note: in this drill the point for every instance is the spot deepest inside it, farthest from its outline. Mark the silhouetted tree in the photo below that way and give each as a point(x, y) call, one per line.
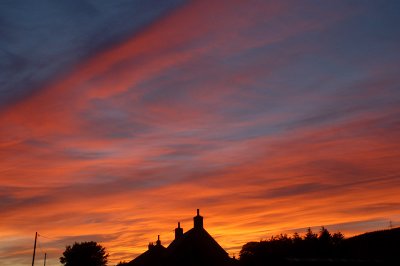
point(298, 249)
point(324, 235)
point(337, 238)
point(84, 254)
point(310, 236)
point(324, 243)
point(283, 246)
point(337, 245)
point(253, 252)
point(284, 250)
point(296, 238)
point(310, 243)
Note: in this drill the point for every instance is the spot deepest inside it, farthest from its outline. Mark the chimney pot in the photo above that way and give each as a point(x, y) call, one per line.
point(178, 231)
point(198, 220)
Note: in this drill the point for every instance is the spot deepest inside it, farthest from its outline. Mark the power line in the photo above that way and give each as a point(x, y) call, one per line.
point(51, 238)
point(42, 247)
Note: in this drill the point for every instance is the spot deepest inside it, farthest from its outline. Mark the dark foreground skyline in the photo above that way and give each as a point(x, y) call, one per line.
point(196, 247)
point(119, 117)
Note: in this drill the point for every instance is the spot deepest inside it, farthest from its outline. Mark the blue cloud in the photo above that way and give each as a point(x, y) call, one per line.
point(43, 39)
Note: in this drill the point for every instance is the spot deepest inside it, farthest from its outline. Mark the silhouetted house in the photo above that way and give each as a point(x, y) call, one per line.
point(153, 256)
point(196, 247)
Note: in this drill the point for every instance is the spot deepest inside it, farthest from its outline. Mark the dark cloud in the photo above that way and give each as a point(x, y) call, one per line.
point(294, 190)
point(43, 40)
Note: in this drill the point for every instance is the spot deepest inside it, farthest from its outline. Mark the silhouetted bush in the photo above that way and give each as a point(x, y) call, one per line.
point(282, 249)
point(85, 253)
point(323, 248)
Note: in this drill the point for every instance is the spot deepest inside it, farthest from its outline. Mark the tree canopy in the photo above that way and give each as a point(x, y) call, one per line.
point(281, 247)
point(84, 254)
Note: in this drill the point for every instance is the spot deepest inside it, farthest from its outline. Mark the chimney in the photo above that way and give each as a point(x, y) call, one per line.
point(198, 220)
point(158, 243)
point(151, 245)
point(178, 231)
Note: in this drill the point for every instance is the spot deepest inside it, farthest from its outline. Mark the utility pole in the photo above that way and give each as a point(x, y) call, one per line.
point(34, 250)
point(45, 256)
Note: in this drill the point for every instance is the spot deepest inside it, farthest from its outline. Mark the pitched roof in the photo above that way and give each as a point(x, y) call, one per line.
point(196, 247)
point(154, 256)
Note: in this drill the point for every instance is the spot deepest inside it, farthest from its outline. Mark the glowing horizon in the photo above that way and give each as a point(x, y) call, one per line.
point(270, 117)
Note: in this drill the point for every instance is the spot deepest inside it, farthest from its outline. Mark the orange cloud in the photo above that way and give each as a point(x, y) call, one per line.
point(200, 110)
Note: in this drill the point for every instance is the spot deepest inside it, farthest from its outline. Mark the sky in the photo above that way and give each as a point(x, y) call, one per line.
point(121, 118)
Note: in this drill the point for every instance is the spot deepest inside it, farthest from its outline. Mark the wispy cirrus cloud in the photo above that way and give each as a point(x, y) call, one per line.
point(41, 41)
point(270, 117)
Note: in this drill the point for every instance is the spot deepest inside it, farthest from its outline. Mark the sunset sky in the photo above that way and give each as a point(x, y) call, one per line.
point(121, 118)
